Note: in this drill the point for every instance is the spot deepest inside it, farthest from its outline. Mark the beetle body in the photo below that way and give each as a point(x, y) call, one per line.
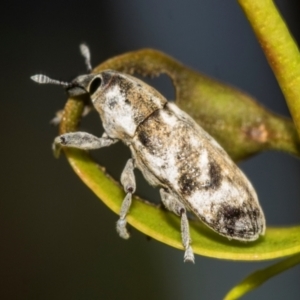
point(173, 152)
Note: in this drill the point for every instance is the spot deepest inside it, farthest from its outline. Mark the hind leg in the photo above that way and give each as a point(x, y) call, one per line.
point(174, 205)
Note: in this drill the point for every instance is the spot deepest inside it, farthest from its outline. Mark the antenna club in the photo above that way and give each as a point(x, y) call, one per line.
point(43, 79)
point(85, 52)
point(40, 78)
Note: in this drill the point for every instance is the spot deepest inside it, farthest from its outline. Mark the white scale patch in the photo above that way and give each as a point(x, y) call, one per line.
point(117, 117)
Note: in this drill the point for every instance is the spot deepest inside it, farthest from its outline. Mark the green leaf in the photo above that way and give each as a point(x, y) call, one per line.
point(259, 277)
point(164, 226)
point(241, 125)
point(280, 49)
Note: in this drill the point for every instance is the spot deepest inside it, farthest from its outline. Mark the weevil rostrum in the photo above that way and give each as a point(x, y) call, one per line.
point(172, 151)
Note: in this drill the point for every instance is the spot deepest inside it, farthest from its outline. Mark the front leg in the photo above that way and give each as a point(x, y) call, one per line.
point(128, 182)
point(174, 205)
point(81, 140)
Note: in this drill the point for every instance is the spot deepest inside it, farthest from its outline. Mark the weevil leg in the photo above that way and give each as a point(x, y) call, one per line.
point(174, 205)
point(81, 140)
point(128, 182)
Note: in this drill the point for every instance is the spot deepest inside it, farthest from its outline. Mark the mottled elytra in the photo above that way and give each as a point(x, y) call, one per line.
point(193, 171)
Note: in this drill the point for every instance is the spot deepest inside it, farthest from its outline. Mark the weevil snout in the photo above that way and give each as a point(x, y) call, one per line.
point(80, 85)
point(91, 84)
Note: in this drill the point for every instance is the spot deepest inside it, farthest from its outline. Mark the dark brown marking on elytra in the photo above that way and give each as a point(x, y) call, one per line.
point(186, 184)
point(227, 217)
point(215, 175)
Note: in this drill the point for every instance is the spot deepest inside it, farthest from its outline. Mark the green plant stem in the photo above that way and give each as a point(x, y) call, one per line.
point(164, 226)
point(280, 49)
point(261, 276)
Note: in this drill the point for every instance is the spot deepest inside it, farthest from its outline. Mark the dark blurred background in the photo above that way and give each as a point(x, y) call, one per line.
point(58, 241)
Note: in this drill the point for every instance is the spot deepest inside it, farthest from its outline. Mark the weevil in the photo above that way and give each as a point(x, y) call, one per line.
point(171, 150)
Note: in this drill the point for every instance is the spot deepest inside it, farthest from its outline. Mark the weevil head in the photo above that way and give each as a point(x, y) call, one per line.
point(122, 101)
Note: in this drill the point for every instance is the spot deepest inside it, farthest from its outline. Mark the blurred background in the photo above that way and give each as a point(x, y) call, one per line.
point(58, 241)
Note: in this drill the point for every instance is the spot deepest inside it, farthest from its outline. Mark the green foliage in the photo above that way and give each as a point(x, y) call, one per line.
point(237, 121)
point(259, 277)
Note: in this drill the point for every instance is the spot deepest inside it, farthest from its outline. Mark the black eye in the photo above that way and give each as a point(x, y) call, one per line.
point(95, 85)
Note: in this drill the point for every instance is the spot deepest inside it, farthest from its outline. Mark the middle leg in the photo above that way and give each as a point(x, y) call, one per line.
point(174, 205)
point(128, 182)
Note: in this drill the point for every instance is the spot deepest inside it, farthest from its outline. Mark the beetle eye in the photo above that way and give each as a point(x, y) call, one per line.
point(95, 85)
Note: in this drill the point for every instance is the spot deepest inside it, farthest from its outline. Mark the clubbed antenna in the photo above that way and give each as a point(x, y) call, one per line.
point(43, 79)
point(85, 51)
